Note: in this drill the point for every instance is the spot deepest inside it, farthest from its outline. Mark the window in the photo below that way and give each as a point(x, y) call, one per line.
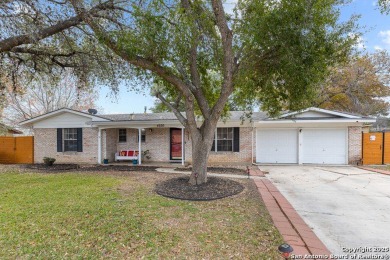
point(227, 140)
point(122, 135)
point(70, 139)
point(143, 136)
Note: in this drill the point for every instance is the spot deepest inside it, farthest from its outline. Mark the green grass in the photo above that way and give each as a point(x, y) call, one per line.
point(91, 216)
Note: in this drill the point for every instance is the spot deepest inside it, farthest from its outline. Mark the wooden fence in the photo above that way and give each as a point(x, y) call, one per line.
point(17, 149)
point(376, 148)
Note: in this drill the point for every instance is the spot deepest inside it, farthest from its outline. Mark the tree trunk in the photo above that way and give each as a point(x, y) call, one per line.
point(201, 146)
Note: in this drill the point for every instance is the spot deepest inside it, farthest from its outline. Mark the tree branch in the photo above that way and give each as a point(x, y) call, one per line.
point(44, 52)
point(135, 60)
point(9, 43)
point(228, 63)
point(196, 87)
point(174, 109)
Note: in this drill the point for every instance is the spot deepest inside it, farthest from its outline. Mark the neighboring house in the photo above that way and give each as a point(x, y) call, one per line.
point(310, 136)
point(8, 131)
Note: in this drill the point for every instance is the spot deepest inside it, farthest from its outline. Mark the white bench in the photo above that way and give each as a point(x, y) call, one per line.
point(126, 155)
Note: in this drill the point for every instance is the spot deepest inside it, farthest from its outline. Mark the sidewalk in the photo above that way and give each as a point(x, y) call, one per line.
point(292, 227)
point(236, 176)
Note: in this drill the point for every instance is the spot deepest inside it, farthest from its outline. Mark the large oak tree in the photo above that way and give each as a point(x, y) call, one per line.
point(361, 85)
point(197, 57)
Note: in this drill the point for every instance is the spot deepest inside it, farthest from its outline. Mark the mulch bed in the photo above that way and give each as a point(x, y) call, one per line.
point(55, 167)
point(95, 168)
point(214, 188)
point(221, 170)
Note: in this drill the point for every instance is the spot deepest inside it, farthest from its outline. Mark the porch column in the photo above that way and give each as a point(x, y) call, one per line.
point(99, 146)
point(299, 145)
point(253, 130)
point(139, 146)
point(182, 146)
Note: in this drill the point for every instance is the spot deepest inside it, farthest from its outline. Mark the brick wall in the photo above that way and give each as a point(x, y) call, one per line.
point(158, 144)
point(354, 144)
point(244, 156)
point(45, 145)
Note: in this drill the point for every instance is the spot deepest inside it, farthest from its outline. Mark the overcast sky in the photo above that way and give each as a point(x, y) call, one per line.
point(376, 35)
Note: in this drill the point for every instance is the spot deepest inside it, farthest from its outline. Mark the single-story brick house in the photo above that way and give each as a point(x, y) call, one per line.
point(310, 136)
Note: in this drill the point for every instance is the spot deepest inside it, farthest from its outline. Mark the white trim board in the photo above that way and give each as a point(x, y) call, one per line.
point(320, 110)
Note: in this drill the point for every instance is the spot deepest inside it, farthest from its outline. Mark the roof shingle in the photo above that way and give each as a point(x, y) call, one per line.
point(234, 116)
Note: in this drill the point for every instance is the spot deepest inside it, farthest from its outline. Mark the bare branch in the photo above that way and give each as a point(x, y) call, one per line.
point(136, 60)
point(9, 43)
point(174, 109)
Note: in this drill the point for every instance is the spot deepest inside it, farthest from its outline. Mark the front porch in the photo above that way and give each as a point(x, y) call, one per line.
point(178, 164)
point(150, 163)
point(148, 145)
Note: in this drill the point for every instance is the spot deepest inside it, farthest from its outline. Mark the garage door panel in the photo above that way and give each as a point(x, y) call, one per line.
point(323, 146)
point(277, 146)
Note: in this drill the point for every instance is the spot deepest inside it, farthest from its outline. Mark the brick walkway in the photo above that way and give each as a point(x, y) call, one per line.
point(292, 227)
point(255, 171)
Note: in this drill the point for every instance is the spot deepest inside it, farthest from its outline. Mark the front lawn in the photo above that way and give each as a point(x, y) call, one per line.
point(118, 215)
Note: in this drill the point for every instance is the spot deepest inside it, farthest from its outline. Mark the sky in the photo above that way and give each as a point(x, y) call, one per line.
point(376, 36)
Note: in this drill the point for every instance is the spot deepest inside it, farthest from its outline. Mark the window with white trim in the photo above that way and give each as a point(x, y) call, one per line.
point(122, 135)
point(143, 136)
point(223, 139)
point(70, 139)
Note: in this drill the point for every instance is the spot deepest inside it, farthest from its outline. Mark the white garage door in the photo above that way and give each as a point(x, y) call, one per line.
point(323, 146)
point(277, 146)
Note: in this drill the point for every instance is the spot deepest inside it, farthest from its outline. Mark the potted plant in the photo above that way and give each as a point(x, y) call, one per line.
point(146, 155)
point(48, 161)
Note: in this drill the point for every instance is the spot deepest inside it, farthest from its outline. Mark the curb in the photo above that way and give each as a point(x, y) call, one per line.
point(292, 227)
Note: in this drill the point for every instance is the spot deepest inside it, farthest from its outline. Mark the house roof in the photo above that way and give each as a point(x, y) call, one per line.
point(310, 114)
point(233, 116)
point(60, 111)
point(331, 113)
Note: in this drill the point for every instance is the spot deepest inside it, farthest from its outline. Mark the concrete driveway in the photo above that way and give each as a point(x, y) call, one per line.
point(345, 206)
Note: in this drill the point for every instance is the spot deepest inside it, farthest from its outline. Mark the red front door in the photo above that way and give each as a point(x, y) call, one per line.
point(176, 144)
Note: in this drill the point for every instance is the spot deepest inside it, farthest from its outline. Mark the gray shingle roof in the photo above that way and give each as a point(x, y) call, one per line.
point(234, 116)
